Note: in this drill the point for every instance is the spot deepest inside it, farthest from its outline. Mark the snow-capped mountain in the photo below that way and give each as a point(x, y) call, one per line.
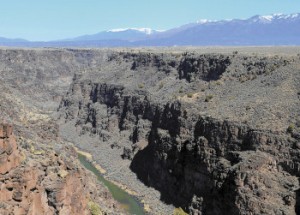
point(147, 31)
point(275, 18)
point(128, 34)
point(275, 29)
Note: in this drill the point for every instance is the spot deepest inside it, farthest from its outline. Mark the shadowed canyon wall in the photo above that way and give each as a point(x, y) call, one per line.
point(179, 126)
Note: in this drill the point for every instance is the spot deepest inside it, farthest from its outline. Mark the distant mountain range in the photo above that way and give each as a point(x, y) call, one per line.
point(128, 34)
point(276, 29)
point(4, 41)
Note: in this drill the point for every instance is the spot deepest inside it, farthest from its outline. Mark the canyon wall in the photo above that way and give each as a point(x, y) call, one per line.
point(50, 183)
point(214, 133)
point(210, 132)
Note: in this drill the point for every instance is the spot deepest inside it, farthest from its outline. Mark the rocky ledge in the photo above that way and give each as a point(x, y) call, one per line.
point(9, 153)
point(210, 132)
point(53, 184)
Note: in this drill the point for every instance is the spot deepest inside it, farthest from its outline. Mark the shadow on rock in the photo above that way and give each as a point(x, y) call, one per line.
point(297, 205)
point(153, 173)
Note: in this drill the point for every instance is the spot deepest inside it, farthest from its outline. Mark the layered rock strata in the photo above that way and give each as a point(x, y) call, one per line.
point(172, 125)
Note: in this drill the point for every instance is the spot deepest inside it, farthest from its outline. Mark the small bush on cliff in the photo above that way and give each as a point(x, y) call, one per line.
point(290, 128)
point(179, 211)
point(141, 86)
point(180, 90)
point(208, 98)
point(94, 208)
point(161, 85)
point(219, 83)
point(190, 95)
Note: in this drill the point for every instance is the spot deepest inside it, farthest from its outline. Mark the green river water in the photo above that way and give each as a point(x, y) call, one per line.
point(128, 202)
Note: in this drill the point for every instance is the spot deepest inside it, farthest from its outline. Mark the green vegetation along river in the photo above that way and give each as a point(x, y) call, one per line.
point(128, 202)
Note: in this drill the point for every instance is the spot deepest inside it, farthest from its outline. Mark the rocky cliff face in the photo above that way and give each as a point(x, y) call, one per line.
point(214, 133)
point(219, 167)
point(31, 183)
point(39, 172)
point(42, 76)
point(10, 154)
point(210, 132)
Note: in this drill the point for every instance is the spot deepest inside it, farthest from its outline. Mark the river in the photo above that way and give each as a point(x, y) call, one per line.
point(128, 202)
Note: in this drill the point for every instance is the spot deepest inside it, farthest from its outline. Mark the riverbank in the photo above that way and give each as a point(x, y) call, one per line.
point(117, 169)
point(89, 157)
point(128, 202)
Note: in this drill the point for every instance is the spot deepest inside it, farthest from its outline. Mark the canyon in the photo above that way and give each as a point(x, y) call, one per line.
point(208, 130)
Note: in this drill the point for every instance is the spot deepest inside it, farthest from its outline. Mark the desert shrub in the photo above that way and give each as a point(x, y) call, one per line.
point(290, 128)
point(179, 211)
point(180, 90)
point(94, 208)
point(242, 79)
point(190, 95)
point(248, 107)
point(272, 68)
point(161, 85)
point(218, 83)
point(208, 98)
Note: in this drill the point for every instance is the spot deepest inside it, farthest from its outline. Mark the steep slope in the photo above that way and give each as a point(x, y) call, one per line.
point(39, 172)
point(32, 183)
point(44, 74)
point(214, 133)
point(211, 130)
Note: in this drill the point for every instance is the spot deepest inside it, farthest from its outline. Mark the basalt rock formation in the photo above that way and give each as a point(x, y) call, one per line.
point(10, 155)
point(52, 184)
point(43, 75)
point(214, 133)
point(39, 172)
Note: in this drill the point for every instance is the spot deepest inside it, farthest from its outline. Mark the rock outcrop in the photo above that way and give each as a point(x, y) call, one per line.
point(190, 131)
point(214, 133)
point(52, 184)
point(9, 153)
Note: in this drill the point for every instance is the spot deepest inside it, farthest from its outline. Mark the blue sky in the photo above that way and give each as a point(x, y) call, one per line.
point(57, 19)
